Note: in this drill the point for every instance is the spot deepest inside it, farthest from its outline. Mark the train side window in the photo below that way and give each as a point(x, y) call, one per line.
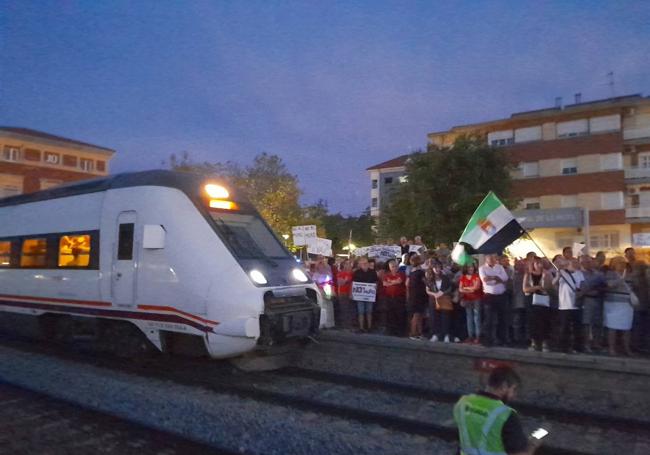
point(34, 253)
point(125, 242)
point(5, 254)
point(74, 250)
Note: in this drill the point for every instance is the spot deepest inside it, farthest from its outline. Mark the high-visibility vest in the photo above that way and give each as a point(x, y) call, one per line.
point(480, 420)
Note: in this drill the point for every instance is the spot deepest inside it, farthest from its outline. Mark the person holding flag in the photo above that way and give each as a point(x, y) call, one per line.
point(490, 229)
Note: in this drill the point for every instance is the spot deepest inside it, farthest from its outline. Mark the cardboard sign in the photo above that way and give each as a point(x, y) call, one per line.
point(415, 249)
point(382, 253)
point(320, 246)
point(364, 292)
point(303, 235)
point(577, 249)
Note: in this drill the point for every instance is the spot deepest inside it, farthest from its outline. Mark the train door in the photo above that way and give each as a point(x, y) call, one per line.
point(124, 261)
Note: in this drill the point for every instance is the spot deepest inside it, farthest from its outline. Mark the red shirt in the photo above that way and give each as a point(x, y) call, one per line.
point(344, 282)
point(398, 289)
point(472, 281)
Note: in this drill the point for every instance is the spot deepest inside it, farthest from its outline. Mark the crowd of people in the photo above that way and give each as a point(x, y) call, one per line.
point(572, 304)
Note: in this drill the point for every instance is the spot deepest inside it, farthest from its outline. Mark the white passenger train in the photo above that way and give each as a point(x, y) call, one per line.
point(175, 255)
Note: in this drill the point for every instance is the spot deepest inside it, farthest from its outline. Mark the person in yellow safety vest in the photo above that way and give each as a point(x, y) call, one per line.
point(487, 425)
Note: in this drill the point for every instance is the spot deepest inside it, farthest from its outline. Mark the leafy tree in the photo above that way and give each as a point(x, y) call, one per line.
point(443, 188)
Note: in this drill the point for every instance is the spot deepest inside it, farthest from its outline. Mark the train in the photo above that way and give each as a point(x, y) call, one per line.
point(153, 260)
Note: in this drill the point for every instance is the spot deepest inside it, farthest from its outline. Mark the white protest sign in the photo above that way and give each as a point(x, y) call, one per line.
point(320, 246)
point(303, 235)
point(364, 292)
point(415, 248)
point(577, 249)
point(384, 252)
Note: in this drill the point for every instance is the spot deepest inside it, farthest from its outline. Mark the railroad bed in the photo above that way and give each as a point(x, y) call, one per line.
point(32, 423)
point(612, 387)
point(295, 410)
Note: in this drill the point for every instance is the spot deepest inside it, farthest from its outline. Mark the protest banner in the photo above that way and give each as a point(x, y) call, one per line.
point(415, 249)
point(320, 246)
point(364, 292)
point(303, 235)
point(382, 253)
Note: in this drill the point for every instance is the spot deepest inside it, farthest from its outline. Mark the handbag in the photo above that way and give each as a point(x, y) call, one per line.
point(444, 303)
point(634, 299)
point(541, 300)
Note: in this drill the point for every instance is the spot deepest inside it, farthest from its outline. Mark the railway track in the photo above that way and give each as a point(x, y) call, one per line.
point(32, 423)
point(395, 407)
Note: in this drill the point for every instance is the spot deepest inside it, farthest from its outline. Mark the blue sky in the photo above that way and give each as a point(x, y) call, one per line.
point(331, 87)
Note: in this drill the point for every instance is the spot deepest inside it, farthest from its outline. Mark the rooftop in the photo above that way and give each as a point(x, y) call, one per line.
point(51, 137)
point(395, 162)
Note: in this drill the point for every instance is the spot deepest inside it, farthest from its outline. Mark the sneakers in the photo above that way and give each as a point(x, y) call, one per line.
point(415, 338)
point(434, 339)
point(447, 339)
point(456, 340)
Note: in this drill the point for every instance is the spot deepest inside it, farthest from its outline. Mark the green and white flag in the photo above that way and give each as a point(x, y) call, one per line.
point(490, 230)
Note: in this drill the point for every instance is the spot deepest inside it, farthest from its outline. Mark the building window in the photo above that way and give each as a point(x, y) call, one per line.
point(403, 178)
point(5, 254)
point(101, 166)
point(530, 169)
point(11, 153)
point(388, 180)
point(34, 253)
point(612, 201)
point(569, 166)
point(533, 206)
point(374, 202)
point(644, 160)
point(52, 158)
point(611, 161)
point(74, 251)
point(573, 128)
point(374, 183)
point(502, 142)
point(605, 240)
point(86, 165)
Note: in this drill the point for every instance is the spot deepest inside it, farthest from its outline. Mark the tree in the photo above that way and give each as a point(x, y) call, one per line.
point(443, 188)
point(267, 183)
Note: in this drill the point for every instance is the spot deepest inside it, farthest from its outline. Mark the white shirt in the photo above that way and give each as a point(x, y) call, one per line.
point(490, 287)
point(567, 288)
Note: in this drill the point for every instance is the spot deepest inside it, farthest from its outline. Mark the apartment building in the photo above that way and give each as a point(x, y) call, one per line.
point(582, 170)
point(32, 160)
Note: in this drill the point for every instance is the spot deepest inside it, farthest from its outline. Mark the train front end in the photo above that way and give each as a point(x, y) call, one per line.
point(273, 302)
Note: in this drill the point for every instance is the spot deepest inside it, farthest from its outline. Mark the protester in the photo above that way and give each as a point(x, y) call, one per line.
point(417, 241)
point(394, 286)
point(636, 275)
point(364, 309)
point(520, 305)
point(470, 294)
point(404, 245)
point(439, 287)
point(486, 424)
point(592, 304)
point(493, 278)
point(507, 319)
point(346, 313)
point(417, 297)
point(618, 310)
point(569, 280)
point(535, 285)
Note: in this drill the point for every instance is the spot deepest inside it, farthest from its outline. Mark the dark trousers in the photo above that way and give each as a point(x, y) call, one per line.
point(540, 318)
point(446, 321)
point(494, 319)
point(396, 311)
point(570, 330)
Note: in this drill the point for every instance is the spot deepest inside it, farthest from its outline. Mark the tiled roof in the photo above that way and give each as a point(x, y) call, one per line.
point(51, 137)
point(395, 162)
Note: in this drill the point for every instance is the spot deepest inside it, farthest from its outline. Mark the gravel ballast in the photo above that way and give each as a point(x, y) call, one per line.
point(222, 420)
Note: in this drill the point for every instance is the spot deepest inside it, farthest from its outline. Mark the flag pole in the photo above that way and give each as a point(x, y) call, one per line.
point(530, 237)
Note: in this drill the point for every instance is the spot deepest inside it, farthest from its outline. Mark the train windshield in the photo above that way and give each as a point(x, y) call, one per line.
point(248, 236)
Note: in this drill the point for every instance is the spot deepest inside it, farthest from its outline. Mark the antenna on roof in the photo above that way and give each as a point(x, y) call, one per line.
point(558, 102)
point(578, 98)
point(610, 82)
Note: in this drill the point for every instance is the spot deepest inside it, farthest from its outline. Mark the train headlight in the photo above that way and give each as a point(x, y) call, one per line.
point(257, 277)
point(299, 275)
point(216, 191)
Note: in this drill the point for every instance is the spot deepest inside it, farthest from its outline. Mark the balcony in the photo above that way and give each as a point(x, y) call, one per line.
point(637, 212)
point(637, 172)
